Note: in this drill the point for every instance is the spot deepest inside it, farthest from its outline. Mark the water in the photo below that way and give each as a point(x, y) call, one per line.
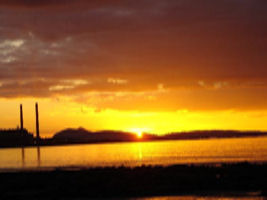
point(137, 154)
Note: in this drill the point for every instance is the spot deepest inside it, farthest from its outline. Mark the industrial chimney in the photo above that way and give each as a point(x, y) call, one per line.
point(37, 123)
point(21, 118)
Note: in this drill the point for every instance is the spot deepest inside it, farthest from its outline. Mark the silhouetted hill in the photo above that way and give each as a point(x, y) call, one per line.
point(16, 137)
point(82, 135)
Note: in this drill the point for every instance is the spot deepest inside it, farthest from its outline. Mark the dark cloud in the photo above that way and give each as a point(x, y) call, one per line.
point(33, 3)
point(52, 3)
point(177, 43)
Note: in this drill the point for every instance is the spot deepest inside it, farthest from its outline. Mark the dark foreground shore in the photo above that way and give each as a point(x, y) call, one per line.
point(204, 180)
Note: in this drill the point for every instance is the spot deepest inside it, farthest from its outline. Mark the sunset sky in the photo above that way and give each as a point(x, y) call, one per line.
point(156, 65)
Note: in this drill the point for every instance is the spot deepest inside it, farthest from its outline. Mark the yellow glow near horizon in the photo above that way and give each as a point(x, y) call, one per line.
point(56, 115)
point(138, 131)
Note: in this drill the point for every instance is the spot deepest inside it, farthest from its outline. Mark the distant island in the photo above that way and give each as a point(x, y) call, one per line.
point(18, 137)
point(82, 135)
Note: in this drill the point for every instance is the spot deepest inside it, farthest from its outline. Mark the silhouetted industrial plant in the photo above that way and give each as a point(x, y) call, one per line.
point(20, 136)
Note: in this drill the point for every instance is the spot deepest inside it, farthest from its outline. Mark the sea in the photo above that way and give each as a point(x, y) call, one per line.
point(133, 154)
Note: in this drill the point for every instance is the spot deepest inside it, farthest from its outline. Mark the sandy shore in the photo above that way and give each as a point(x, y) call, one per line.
point(216, 180)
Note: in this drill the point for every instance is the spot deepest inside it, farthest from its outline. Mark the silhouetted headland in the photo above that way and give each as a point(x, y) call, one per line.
point(82, 135)
point(18, 137)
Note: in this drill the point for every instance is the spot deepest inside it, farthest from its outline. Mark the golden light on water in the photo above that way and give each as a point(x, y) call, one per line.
point(138, 153)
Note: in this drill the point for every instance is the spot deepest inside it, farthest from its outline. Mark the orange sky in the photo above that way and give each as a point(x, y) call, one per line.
point(156, 65)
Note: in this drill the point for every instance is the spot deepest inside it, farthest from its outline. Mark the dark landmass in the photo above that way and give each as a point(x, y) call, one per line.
point(17, 138)
point(79, 136)
point(236, 179)
point(212, 134)
point(85, 136)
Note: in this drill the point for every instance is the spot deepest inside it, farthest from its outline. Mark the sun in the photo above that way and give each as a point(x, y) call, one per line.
point(139, 134)
point(137, 131)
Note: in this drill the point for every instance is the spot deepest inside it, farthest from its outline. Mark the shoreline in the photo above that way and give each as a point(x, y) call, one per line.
point(67, 168)
point(221, 179)
point(125, 141)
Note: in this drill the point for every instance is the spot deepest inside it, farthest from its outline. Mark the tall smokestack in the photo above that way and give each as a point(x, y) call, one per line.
point(21, 117)
point(37, 123)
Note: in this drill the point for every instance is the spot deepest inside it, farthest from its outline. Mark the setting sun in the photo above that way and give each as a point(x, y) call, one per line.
point(137, 131)
point(139, 134)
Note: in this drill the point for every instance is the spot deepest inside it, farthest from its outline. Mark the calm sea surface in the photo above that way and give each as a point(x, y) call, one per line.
point(137, 154)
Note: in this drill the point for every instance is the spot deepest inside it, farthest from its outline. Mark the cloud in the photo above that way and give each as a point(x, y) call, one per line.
point(117, 81)
point(215, 85)
point(34, 3)
point(67, 85)
point(133, 47)
point(11, 43)
point(8, 50)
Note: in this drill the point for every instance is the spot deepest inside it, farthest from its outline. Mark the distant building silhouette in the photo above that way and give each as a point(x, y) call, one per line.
point(21, 117)
point(37, 123)
point(16, 137)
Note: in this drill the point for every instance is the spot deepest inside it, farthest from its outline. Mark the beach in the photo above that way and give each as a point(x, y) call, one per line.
point(232, 179)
